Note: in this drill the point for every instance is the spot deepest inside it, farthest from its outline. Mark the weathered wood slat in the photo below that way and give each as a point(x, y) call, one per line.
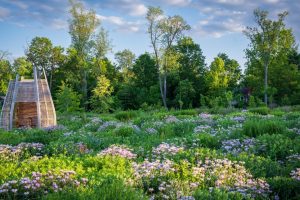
point(28, 103)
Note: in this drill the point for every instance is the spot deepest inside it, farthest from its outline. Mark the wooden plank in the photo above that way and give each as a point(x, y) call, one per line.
point(37, 99)
point(12, 107)
point(51, 100)
point(5, 108)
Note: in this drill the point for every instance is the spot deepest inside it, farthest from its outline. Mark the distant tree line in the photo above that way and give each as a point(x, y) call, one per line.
point(173, 75)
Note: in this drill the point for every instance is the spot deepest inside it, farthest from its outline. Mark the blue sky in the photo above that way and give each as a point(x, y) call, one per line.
point(217, 25)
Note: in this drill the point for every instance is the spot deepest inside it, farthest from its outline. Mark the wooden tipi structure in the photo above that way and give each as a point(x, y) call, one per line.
point(28, 103)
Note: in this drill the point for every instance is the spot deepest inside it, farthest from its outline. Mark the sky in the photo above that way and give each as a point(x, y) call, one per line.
point(216, 25)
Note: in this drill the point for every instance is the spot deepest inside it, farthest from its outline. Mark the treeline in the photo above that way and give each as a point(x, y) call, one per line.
point(173, 75)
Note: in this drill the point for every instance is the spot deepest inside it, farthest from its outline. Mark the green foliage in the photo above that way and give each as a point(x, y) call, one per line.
point(286, 188)
point(101, 99)
point(204, 194)
point(208, 141)
point(67, 100)
point(126, 115)
point(124, 131)
point(278, 146)
point(260, 110)
point(260, 166)
point(111, 188)
point(254, 128)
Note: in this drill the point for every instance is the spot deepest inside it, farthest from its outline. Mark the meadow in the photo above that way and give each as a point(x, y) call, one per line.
point(177, 154)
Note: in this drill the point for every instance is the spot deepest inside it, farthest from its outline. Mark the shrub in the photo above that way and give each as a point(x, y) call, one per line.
point(12, 138)
point(110, 188)
point(183, 128)
point(202, 194)
point(286, 188)
point(67, 100)
point(185, 112)
point(254, 128)
point(260, 166)
point(208, 141)
point(126, 115)
point(278, 146)
point(260, 110)
point(124, 131)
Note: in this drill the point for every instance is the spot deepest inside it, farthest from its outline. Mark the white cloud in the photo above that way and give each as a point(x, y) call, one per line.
point(4, 12)
point(121, 24)
point(59, 24)
point(178, 2)
point(138, 10)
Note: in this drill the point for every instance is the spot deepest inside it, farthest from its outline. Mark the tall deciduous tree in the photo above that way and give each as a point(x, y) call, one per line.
point(233, 71)
point(22, 67)
point(82, 26)
point(163, 32)
point(267, 40)
point(39, 52)
point(6, 73)
point(217, 78)
point(192, 67)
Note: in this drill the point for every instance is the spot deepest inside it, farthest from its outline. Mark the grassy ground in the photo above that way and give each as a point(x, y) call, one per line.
point(189, 154)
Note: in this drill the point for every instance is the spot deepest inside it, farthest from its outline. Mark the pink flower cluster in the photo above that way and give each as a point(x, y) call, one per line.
point(40, 184)
point(149, 169)
point(295, 174)
point(205, 116)
point(11, 152)
point(232, 175)
point(171, 119)
point(115, 150)
point(165, 149)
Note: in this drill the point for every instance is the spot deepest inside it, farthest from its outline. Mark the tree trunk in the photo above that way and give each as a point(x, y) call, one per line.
point(84, 89)
point(51, 76)
point(266, 83)
point(162, 90)
point(165, 91)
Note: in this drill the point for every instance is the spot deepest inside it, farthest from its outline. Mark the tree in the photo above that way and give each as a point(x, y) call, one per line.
point(267, 40)
point(163, 32)
point(39, 52)
point(101, 44)
point(57, 59)
point(192, 66)
point(125, 59)
point(82, 25)
point(145, 80)
point(22, 67)
point(102, 99)
point(66, 99)
point(217, 78)
point(145, 71)
point(233, 70)
point(6, 73)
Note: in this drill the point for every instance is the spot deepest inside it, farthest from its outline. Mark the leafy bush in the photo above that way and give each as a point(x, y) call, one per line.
point(67, 100)
point(208, 141)
point(254, 128)
point(110, 188)
point(260, 166)
point(260, 110)
point(185, 112)
point(277, 146)
point(126, 115)
point(12, 138)
point(203, 194)
point(124, 131)
point(286, 188)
